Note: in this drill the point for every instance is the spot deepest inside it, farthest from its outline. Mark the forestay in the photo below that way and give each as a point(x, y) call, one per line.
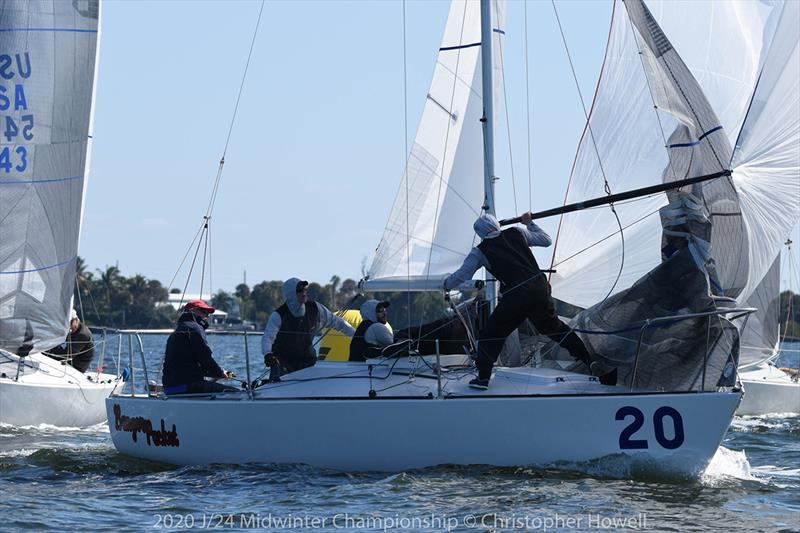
point(47, 73)
point(429, 231)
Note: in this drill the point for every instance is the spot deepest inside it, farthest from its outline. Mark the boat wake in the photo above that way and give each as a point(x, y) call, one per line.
point(788, 422)
point(10, 430)
point(728, 465)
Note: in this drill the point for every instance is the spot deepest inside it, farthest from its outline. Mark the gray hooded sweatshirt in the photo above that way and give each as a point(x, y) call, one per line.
point(377, 334)
point(325, 319)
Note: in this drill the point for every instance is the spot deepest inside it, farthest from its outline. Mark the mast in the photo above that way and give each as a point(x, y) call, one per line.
point(488, 126)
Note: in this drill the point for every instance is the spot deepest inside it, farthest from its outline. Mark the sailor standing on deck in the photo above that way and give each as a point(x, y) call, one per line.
point(287, 343)
point(524, 291)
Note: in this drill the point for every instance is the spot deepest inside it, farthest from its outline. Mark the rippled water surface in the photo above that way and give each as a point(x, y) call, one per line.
point(73, 479)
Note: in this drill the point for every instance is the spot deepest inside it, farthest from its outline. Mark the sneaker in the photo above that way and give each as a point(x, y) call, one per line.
point(480, 384)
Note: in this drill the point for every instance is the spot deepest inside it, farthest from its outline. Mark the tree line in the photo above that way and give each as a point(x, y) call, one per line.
point(107, 298)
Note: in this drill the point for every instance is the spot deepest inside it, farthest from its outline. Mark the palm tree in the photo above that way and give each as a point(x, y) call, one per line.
point(109, 281)
point(334, 282)
point(242, 293)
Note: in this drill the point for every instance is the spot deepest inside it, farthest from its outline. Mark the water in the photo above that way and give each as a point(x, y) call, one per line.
point(73, 479)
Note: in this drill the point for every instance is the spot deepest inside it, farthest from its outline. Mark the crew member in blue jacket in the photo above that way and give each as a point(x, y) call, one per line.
point(188, 360)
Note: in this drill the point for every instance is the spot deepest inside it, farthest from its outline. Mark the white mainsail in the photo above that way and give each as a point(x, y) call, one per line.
point(742, 70)
point(48, 52)
point(429, 231)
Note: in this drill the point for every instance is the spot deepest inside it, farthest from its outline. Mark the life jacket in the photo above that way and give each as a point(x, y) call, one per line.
point(293, 344)
point(359, 347)
point(510, 259)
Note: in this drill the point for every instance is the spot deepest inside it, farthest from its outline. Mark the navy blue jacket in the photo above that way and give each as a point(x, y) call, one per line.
point(188, 357)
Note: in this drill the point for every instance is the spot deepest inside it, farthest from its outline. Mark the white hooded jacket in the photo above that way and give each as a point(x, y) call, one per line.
point(377, 334)
point(326, 319)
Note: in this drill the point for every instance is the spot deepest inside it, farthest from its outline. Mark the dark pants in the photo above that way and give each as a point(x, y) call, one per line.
point(288, 363)
point(531, 301)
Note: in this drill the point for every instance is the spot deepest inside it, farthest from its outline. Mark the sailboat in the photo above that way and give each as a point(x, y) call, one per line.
point(48, 53)
point(768, 389)
point(748, 73)
point(391, 414)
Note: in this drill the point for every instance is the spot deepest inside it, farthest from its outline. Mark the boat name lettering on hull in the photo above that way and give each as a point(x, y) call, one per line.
point(136, 424)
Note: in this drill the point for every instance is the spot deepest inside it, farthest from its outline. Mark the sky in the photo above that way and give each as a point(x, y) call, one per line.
point(318, 146)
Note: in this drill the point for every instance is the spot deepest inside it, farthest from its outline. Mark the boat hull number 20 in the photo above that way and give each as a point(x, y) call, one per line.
point(627, 440)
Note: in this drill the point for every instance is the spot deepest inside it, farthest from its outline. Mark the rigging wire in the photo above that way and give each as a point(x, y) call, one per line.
point(505, 106)
point(444, 154)
point(789, 310)
point(528, 111)
point(406, 155)
point(606, 185)
point(652, 95)
point(204, 231)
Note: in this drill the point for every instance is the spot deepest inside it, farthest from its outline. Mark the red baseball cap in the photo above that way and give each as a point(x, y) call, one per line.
point(198, 304)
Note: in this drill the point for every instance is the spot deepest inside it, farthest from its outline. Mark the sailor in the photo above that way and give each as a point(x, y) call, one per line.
point(188, 360)
point(79, 348)
point(287, 343)
point(524, 291)
point(372, 334)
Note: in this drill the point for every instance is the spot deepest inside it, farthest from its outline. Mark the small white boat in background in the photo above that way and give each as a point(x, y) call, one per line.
point(767, 388)
point(38, 390)
point(48, 52)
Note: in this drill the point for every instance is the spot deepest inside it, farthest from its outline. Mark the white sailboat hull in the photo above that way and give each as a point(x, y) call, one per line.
point(767, 390)
point(677, 433)
point(49, 393)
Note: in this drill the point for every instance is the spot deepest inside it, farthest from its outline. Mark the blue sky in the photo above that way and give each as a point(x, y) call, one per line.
point(318, 147)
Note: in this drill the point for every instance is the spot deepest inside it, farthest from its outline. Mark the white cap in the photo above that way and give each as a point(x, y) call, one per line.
point(73, 315)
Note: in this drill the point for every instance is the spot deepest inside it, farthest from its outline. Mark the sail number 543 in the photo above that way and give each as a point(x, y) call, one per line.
point(626, 440)
point(16, 159)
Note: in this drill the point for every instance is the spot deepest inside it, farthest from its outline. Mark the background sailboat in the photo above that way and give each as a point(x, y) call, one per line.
point(48, 55)
point(768, 389)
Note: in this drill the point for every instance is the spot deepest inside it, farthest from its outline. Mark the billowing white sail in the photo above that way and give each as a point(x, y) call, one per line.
point(47, 73)
point(650, 123)
point(429, 231)
point(745, 56)
point(760, 336)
